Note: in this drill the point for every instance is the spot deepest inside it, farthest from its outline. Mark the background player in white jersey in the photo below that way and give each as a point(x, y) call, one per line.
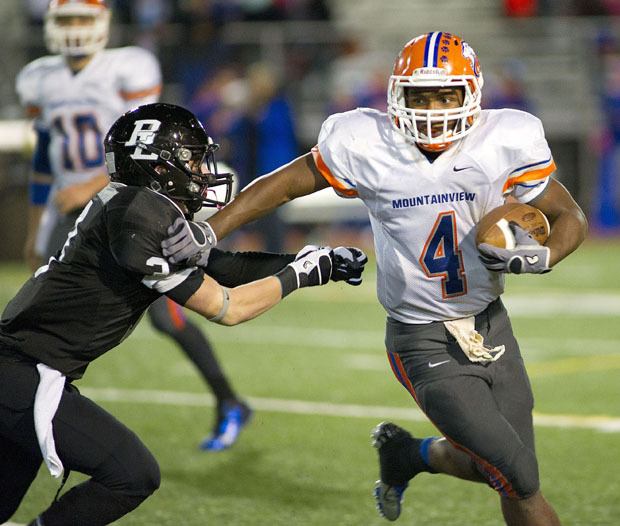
point(75, 95)
point(427, 171)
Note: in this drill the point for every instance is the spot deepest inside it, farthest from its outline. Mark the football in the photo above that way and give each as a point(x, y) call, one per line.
point(493, 227)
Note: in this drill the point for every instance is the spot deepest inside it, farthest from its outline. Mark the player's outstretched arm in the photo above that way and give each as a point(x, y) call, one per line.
point(312, 267)
point(192, 241)
point(295, 179)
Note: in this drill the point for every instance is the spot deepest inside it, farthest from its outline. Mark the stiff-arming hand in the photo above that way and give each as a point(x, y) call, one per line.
point(348, 265)
point(189, 242)
point(528, 256)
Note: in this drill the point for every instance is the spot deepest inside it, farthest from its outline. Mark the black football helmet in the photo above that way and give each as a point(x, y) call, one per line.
point(165, 148)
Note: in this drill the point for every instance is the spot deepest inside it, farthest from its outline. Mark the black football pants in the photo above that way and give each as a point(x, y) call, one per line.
point(88, 440)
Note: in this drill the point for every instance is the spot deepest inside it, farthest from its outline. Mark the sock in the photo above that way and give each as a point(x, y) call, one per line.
point(199, 351)
point(401, 459)
point(425, 452)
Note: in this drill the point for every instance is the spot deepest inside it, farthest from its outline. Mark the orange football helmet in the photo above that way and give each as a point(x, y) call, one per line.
point(435, 60)
point(77, 40)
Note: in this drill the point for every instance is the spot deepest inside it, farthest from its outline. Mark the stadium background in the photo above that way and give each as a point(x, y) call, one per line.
point(314, 368)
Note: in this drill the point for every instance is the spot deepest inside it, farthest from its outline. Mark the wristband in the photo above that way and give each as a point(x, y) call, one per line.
point(288, 280)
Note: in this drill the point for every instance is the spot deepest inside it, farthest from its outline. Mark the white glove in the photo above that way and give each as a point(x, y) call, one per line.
point(312, 267)
point(528, 256)
point(189, 242)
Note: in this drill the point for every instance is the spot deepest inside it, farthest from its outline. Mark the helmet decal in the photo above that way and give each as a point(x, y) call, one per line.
point(470, 55)
point(143, 133)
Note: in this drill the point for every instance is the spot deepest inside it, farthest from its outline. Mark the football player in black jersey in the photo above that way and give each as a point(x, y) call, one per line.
point(90, 297)
point(69, 168)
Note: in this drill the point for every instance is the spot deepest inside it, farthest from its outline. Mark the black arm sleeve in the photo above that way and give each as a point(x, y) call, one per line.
point(231, 269)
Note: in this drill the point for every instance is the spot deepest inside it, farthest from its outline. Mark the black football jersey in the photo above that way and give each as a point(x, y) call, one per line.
point(88, 298)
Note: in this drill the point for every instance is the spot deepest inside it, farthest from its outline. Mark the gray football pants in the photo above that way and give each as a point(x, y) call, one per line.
point(484, 410)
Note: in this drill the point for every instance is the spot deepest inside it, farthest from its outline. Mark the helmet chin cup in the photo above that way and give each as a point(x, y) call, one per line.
point(435, 148)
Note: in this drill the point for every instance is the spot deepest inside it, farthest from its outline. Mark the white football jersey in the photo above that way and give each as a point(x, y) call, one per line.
point(424, 214)
point(78, 108)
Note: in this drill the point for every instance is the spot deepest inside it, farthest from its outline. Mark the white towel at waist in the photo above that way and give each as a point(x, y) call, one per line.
point(46, 400)
point(472, 342)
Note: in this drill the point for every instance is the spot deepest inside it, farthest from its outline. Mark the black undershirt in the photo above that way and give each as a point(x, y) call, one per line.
point(430, 156)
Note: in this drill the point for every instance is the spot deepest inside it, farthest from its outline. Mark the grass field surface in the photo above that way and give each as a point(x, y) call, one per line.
point(315, 371)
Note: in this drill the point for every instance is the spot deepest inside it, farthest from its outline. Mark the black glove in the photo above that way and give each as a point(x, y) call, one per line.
point(189, 242)
point(527, 256)
point(348, 265)
point(312, 267)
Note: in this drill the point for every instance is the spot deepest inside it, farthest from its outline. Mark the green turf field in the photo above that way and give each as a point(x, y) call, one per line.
point(315, 371)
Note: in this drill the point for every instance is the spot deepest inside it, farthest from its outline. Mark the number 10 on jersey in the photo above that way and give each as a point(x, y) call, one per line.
point(441, 257)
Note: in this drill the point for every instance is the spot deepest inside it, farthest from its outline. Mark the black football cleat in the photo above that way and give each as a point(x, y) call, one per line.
point(388, 497)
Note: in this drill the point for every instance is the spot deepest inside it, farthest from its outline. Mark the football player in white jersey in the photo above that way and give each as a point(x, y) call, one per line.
point(74, 96)
point(428, 170)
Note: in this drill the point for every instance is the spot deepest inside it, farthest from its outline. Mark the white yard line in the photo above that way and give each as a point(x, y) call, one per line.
point(572, 304)
point(176, 398)
point(346, 338)
point(527, 304)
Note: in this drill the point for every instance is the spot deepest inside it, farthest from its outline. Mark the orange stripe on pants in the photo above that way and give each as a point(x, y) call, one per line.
point(176, 314)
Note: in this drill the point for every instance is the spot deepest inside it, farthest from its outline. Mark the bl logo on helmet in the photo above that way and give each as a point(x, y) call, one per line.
point(144, 132)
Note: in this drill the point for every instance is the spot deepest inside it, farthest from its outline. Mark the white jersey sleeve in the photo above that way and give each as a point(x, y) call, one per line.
point(29, 85)
point(527, 156)
point(139, 76)
point(334, 156)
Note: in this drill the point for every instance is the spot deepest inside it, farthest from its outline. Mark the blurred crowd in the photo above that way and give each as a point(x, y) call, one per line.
point(251, 102)
point(149, 13)
point(526, 8)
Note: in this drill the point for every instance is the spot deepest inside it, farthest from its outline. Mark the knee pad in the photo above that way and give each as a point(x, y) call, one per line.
point(514, 479)
point(524, 473)
point(130, 470)
point(142, 476)
point(144, 480)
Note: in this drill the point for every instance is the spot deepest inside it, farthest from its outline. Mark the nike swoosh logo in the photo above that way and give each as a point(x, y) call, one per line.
point(461, 169)
point(431, 365)
point(532, 260)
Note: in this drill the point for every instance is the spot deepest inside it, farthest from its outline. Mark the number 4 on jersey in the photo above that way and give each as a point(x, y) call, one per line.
point(442, 258)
